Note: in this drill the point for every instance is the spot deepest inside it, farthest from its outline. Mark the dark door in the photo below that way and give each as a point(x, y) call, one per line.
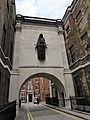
point(30, 97)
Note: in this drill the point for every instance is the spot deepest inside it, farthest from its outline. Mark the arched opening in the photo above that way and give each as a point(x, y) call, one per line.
point(54, 93)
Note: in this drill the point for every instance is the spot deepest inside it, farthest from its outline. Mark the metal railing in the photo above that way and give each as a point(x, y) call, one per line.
point(52, 101)
point(80, 103)
point(8, 111)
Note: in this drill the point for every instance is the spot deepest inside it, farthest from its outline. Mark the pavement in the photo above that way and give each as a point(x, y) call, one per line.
point(80, 114)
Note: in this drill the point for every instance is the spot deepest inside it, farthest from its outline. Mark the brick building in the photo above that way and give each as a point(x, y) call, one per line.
point(76, 25)
point(36, 87)
point(7, 29)
point(27, 92)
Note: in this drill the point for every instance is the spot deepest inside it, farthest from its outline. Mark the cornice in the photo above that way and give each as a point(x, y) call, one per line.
point(69, 10)
point(38, 21)
point(80, 67)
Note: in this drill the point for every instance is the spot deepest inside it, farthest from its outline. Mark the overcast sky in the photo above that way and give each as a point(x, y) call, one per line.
point(42, 8)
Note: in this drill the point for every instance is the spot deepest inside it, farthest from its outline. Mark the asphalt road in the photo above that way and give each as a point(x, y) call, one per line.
point(39, 112)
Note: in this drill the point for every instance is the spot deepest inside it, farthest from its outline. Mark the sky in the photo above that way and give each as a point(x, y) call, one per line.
point(53, 9)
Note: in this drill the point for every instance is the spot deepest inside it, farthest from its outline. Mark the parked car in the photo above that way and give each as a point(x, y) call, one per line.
point(35, 100)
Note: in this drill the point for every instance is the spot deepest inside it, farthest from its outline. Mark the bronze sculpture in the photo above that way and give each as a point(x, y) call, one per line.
point(41, 46)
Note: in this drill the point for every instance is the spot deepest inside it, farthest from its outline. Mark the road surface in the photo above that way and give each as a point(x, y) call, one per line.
point(40, 112)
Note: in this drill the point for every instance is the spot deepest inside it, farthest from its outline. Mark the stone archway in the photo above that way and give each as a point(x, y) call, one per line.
point(25, 62)
point(52, 78)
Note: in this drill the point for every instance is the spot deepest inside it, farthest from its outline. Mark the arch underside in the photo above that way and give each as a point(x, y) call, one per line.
point(52, 78)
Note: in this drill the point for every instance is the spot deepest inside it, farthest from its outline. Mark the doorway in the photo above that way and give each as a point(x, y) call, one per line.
point(29, 97)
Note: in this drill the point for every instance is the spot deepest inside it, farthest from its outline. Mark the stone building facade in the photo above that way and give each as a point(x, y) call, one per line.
point(76, 25)
point(7, 29)
point(26, 64)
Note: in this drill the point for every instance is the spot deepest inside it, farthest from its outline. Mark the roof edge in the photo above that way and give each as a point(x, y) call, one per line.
point(38, 20)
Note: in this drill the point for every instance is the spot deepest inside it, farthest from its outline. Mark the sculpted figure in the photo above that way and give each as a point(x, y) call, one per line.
point(41, 40)
point(41, 46)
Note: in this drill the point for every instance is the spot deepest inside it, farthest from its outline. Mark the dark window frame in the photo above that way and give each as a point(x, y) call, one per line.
point(8, 6)
point(72, 54)
point(0, 77)
point(3, 37)
point(11, 52)
point(68, 29)
point(78, 86)
point(84, 37)
point(78, 15)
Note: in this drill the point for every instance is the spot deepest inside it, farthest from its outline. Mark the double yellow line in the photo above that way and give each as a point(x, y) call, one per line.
point(29, 114)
